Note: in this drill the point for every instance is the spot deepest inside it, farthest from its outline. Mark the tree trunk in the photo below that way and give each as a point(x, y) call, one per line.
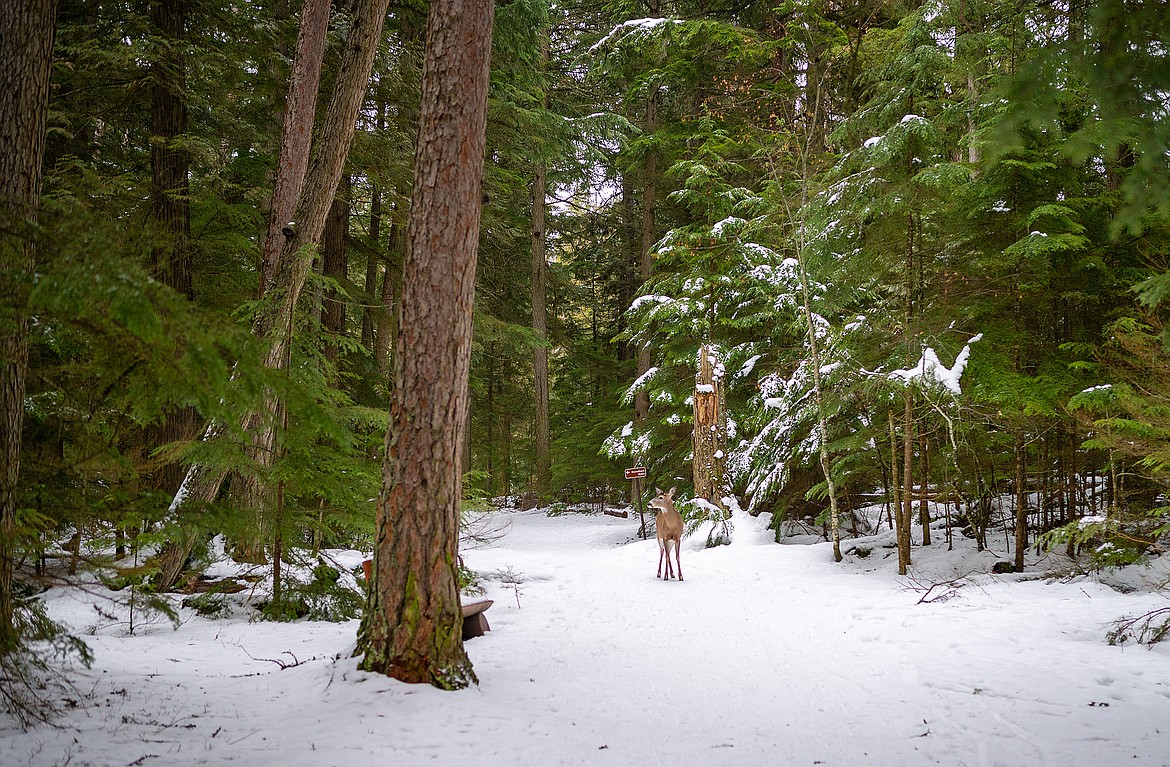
point(540, 330)
point(895, 485)
point(631, 263)
point(543, 478)
point(923, 499)
point(296, 134)
point(649, 193)
point(387, 318)
point(26, 58)
point(170, 260)
point(335, 265)
point(413, 627)
point(819, 395)
point(272, 326)
point(907, 483)
point(250, 491)
point(489, 420)
point(710, 443)
point(372, 257)
point(1021, 503)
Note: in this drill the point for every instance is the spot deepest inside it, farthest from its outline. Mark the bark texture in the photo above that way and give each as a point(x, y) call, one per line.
point(296, 133)
point(710, 435)
point(26, 58)
point(413, 628)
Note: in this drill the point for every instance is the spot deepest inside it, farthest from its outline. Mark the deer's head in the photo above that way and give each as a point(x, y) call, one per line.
point(663, 500)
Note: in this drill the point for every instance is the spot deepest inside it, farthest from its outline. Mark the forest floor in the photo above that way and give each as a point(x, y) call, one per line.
point(765, 655)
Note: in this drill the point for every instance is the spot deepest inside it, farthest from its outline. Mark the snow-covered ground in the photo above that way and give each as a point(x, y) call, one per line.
point(765, 655)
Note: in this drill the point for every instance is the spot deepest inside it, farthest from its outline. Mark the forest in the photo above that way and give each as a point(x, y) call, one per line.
point(797, 257)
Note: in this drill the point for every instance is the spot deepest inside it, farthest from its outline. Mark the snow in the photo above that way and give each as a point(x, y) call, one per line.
point(765, 654)
point(858, 322)
point(756, 249)
point(930, 368)
point(872, 141)
point(748, 366)
point(639, 384)
point(649, 299)
point(633, 26)
point(731, 221)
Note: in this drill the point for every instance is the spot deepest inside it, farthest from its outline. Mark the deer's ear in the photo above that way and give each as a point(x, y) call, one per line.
point(657, 491)
point(672, 491)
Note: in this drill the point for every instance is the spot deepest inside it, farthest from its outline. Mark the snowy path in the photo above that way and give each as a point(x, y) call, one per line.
point(765, 655)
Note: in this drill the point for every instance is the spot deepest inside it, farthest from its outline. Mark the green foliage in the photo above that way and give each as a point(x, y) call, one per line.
point(1109, 543)
point(209, 605)
point(318, 594)
point(54, 643)
point(468, 582)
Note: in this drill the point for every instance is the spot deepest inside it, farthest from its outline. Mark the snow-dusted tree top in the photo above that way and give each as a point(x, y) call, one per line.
point(631, 28)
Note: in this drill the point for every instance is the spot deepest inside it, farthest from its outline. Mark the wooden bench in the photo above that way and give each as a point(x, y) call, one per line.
point(474, 621)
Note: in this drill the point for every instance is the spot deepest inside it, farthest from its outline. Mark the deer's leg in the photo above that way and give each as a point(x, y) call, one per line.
point(661, 553)
point(677, 557)
point(669, 566)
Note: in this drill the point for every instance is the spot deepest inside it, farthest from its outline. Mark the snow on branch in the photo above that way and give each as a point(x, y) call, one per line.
point(641, 383)
point(638, 27)
point(931, 369)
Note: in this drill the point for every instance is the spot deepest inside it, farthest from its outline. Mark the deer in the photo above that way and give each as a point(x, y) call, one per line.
point(670, 529)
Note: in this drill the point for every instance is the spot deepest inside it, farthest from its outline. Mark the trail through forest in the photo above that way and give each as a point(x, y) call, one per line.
point(765, 654)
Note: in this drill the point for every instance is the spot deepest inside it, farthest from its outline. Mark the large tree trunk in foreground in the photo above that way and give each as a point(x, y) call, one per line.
point(26, 58)
point(413, 628)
